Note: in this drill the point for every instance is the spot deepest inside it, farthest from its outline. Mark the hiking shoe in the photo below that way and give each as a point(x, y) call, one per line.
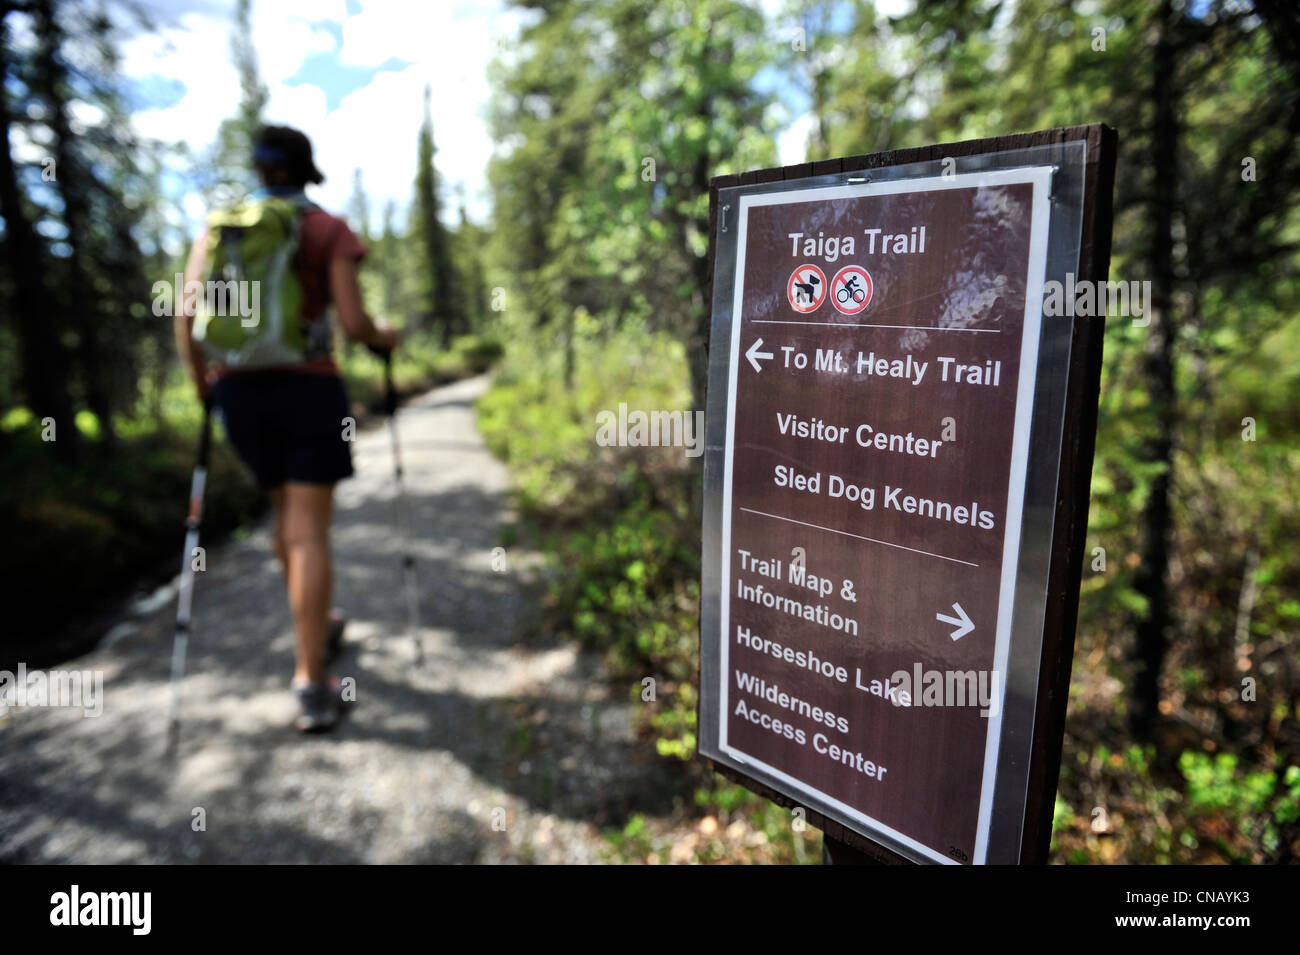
point(320, 706)
point(334, 636)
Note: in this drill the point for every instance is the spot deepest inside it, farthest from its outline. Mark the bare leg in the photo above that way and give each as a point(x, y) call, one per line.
point(336, 617)
point(305, 522)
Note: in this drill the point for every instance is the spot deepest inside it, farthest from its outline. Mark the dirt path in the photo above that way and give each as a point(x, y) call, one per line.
point(492, 751)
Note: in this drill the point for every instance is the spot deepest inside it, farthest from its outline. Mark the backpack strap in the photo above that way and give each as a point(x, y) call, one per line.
point(318, 334)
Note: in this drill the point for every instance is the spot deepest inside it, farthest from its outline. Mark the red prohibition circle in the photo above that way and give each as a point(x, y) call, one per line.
point(806, 290)
point(851, 289)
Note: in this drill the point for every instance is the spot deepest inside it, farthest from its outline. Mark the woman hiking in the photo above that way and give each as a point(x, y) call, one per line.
point(274, 383)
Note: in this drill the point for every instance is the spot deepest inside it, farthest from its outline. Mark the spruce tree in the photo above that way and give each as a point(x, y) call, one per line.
point(441, 273)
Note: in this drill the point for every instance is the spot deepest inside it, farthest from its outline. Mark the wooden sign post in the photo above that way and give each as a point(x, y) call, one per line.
point(900, 432)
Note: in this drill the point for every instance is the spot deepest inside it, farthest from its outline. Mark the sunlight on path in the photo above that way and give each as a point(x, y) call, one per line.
point(433, 762)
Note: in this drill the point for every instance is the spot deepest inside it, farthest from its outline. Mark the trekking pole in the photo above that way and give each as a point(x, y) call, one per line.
point(401, 512)
point(180, 643)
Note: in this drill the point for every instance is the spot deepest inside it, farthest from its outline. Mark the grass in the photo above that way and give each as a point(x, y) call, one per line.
point(621, 539)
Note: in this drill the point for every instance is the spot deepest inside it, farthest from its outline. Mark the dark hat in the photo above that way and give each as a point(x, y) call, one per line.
point(286, 148)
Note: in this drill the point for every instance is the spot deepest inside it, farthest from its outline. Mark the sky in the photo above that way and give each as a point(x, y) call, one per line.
point(350, 73)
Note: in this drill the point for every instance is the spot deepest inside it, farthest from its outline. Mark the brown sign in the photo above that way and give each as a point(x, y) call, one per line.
point(868, 494)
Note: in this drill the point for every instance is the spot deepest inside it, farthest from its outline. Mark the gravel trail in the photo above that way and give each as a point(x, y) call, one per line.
point(493, 750)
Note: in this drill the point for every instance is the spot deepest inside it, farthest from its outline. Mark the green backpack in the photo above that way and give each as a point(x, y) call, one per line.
point(250, 313)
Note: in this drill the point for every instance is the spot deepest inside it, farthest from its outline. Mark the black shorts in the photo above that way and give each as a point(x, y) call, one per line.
point(288, 425)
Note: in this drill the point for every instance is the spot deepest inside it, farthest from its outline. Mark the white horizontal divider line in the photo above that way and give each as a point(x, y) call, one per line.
point(924, 328)
point(791, 520)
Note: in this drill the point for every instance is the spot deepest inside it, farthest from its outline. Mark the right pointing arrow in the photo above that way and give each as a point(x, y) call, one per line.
point(962, 622)
point(754, 354)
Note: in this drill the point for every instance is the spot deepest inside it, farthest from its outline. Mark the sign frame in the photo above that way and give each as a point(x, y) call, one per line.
point(1056, 494)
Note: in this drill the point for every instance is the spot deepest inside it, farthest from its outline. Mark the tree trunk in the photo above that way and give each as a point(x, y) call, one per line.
point(45, 364)
point(570, 329)
point(1152, 577)
point(73, 182)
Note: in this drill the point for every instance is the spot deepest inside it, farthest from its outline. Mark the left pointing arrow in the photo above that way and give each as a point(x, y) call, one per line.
point(754, 354)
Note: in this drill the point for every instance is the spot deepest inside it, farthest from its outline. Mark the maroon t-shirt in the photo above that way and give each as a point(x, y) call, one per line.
point(322, 238)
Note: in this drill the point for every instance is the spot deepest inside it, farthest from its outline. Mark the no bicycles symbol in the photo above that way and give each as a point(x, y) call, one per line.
point(806, 289)
point(851, 289)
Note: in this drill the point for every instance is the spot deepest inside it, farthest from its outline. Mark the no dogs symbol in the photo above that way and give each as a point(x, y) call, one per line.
point(851, 289)
point(806, 289)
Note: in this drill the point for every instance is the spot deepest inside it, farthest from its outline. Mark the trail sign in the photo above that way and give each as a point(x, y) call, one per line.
point(896, 480)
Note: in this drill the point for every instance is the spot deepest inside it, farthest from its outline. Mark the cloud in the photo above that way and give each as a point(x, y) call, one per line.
point(185, 51)
point(283, 38)
point(375, 127)
point(792, 143)
point(195, 49)
point(433, 33)
point(302, 106)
